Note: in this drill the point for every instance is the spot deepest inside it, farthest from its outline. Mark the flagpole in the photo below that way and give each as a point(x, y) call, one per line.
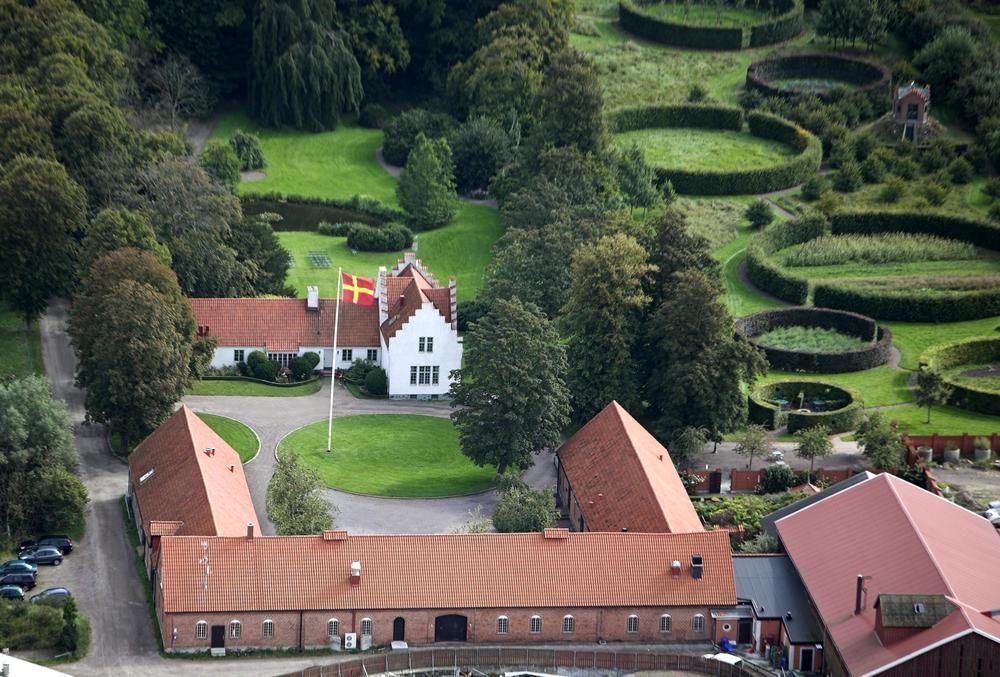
point(333, 375)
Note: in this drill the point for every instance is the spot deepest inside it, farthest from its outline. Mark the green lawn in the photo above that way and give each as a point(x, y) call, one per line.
point(987, 378)
point(20, 351)
point(742, 300)
point(913, 338)
point(879, 387)
point(944, 421)
point(694, 149)
point(389, 455)
point(706, 14)
point(251, 389)
point(236, 435)
point(811, 340)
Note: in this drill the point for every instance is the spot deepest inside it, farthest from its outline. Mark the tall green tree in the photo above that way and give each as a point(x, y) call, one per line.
point(115, 229)
point(572, 104)
point(879, 442)
point(42, 213)
point(263, 257)
point(697, 365)
point(379, 43)
point(753, 442)
point(932, 390)
point(24, 131)
point(546, 22)
point(637, 179)
point(303, 72)
point(220, 162)
point(510, 397)
point(675, 249)
point(426, 188)
point(602, 320)
point(133, 332)
point(295, 500)
point(500, 81)
point(525, 510)
point(814, 442)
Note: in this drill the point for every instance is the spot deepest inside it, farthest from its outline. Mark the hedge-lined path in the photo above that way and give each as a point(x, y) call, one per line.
point(394, 171)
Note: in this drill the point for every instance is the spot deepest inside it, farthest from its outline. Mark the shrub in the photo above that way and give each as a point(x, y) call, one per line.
point(873, 169)
point(390, 237)
point(759, 213)
point(865, 144)
point(909, 305)
point(992, 187)
point(935, 192)
point(261, 367)
point(776, 479)
point(845, 417)
point(813, 188)
point(480, 148)
point(401, 132)
point(960, 171)
point(470, 312)
point(934, 157)
point(905, 168)
point(880, 248)
point(302, 366)
point(893, 190)
point(525, 510)
point(698, 93)
point(248, 149)
point(376, 382)
point(848, 177)
point(337, 229)
point(784, 25)
point(994, 211)
point(219, 161)
point(358, 371)
point(766, 274)
point(372, 116)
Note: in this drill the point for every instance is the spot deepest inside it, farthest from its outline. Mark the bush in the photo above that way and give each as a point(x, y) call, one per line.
point(525, 510)
point(813, 188)
point(358, 371)
point(905, 168)
point(935, 192)
point(977, 350)
point(372, 116)
point(776, 479)
point(873, 169)
point(848, 177)
point(401, 132)
point(219, 161)
point(784, 26)
point(893, 190)
point(470, 312)
point(390, 237)
point(934, 157)
point(698, 93)
point(845, 417)
point(960, 171)
point(480, 148)
point(302, 366)
point(701, 116)
point(767, 275)
point(261, 367)
point(376, 382)
point(868, 76)
point(759, 213)
point(248, 149)
point(992, 187)
point(338, 229)
point(910, 305)
point(994, 212)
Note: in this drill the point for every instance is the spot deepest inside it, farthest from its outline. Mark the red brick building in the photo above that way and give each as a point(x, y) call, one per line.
point(614, 476)
point(310, 591)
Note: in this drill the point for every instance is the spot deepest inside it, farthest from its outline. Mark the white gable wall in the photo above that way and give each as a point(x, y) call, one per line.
point(404, 353)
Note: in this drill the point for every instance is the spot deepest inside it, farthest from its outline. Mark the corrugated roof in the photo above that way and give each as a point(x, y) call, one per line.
point(775, 590)
point(624, 479)
point(904, 540)
point(174, 480)
point(462, 571)
point(767, 522)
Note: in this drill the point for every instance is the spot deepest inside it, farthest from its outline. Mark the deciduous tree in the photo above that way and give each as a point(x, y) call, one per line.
point(525, 510)
point(571, 103)
point(932, 390)
point(220, 162)
point(754, 441)
point(880, 442)
point(177, 90)
point(295, 500)
point(115, 229)
point(814, 442)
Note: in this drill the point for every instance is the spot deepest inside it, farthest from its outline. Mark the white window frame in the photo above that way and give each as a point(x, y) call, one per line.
point(235, 629)
point(698, 623)
point(346, 354)
point(421, 344)
point(666, 623)
point(239, 355)
point(535, 625)
point(568, 624)
point(372, 355)
point(267, 629)
point(333, 629)
point(424, 375)
point(283, 359)
point(366, 622)
point(435, 375)
point(430, 344)
point(632, 624)
point(503, 625)
point(413, 375)
point(201, 630)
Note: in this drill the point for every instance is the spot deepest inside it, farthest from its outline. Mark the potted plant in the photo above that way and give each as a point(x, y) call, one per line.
point(951, 453)
point(982, 449)
point(926, 453)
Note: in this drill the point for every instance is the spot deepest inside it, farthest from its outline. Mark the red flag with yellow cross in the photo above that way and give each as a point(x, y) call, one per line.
point(359, 290)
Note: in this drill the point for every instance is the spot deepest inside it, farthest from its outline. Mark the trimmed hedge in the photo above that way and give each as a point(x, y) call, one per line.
point(783, 27)
point(979, 233)
point(767, 275)
point(389, 237)
point(786, 24)
point(792, 172)
point(853, 324)
point(250, 379)
point(842, 419)
point(978, 350)
point(306, 213)
point(867, 76)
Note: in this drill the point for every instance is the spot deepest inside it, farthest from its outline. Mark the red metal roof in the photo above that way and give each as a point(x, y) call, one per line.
point(624, 479)
point(905, 540)
point(458, 571)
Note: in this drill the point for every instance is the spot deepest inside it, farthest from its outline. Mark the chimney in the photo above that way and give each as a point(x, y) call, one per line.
point(249, 531)
point(210, 451)
point(696, 566)
point(859, 589)
point(312, 299)
point(355, 574)
point(675, 569)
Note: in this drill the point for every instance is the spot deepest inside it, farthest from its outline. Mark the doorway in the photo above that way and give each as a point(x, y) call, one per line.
point(806, 660)
point(399, 629)
point(744, 631)
point(218, 636)
point(451, 628)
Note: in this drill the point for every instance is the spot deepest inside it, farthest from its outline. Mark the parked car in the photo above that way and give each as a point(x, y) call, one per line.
point(43, 555)
point(50, 593)
point(64, 543)
point(23, 579)
point(11, 592)
point(11, 566)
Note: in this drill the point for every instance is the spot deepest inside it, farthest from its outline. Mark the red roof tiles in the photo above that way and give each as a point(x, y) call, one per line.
point(624, 479)
point(445, 571)
point(175, 481)
point(903, 539)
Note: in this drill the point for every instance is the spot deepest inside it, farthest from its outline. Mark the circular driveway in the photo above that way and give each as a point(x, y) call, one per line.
point(274, 417)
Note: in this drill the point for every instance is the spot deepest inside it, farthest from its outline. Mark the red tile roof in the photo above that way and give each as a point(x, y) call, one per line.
point(406, 293)
point(285, 325)
point(174, 480)
point(624, 479)
point(906, 540)
point(445, 571)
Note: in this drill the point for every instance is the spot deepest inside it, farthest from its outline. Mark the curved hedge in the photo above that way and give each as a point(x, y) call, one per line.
point(868, 76)
point(792, 172)
point(250, 379)
point(853, 324)
point(768, 276)
point(977, 350)
point(844, 418)
point(785, 24)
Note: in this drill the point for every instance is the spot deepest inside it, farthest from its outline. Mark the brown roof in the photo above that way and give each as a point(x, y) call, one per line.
point(280, 325)
point(624, 479)
point(444, 571)
point(174, 480)
point(406, 293)
point(904, 540)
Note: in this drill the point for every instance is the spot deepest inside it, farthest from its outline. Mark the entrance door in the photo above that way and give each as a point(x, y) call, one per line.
point(327, 358)
point(399, 629)
point(218, 636)
point(451, 628)
point(744, 630)
point(806, 660)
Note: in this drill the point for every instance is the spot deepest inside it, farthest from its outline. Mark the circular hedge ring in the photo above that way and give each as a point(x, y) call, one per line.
point(878, 351)
point(867, 76)
point(971, 351)
point(781, 20)
point(805, 404)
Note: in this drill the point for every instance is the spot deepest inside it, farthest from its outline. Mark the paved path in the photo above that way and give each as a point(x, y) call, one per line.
point(274, 417)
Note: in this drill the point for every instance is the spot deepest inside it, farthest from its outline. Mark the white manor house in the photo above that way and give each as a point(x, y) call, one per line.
point(411, 330)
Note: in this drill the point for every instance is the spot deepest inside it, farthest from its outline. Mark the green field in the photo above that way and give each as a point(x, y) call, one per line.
point(944, 420)
point(20, 350)
point(811, 340)
point(694, 149)
point(879, 387)
point(251, 389)
point(389, 455)
point(236, 435)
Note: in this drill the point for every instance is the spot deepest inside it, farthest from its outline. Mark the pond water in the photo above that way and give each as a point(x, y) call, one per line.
point(304, 216)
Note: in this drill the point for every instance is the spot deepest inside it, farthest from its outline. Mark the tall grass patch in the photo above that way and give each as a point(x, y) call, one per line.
point(832, 250)
point(811, 340)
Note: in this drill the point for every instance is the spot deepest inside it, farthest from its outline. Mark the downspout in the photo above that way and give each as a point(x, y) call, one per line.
point(354, 620)
point(301, 645)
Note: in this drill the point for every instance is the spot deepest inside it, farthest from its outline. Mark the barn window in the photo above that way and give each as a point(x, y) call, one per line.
point(503, 625)
point(698, 623)
point(234, 629)
point(201, 630)
point(366, 626)
point(632, 624)
point(569, 624)
point(267, 629)
point(666, 623)
point(535, 625)
point(332, 629)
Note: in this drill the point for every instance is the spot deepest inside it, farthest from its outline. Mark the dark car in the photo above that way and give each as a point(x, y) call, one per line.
point(11, 592)
point(43, 555)
point(64, 543)
point(50, 593)
point(21, 578)
point(15, 565)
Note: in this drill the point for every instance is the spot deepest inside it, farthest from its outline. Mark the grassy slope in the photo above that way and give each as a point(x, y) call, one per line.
point(20, 354)
point(390, 455)
point(236, 435)
point(250, 389)
point(944, 420)
point(694, 149)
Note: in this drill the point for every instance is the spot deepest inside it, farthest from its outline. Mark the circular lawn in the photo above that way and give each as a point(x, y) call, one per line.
point(705, 149)
point(238, 436)
point(397, 455)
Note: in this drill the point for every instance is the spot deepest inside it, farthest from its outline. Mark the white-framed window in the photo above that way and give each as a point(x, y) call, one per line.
point(372, 355)
point(332, 629)
point(366, 626)
point(413, 376)
point(283, 359)
point(698, 623)
point(424, 376)
point(425, 344)
point(435, 373)
point(632, 624)
point(238, 355)
point(201, 630)
point(535, 625)
point(666, 623)
point(503, 625)
point(726, 627)
point(569, 624)
point(235, 628)
point(267, 629)
point(347, 355)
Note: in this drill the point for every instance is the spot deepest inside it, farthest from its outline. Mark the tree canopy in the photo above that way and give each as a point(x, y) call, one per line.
point(426, 188)
point(295, 500)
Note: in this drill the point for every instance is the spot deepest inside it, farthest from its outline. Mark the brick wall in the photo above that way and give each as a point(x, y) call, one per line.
point(965, 442)
point(744, 480)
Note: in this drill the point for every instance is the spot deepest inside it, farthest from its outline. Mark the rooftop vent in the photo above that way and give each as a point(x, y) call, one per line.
point(355, 573)
point(312, 298)
point(788, 615)
point(696, 566)
point(210, 451)
point(919, 608)
point(675, 569)
point(249, 529)
point(232, 468)
point(146, 475)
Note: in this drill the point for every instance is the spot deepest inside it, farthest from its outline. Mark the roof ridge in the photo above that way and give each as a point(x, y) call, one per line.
point(203, 487)
point(916, 530)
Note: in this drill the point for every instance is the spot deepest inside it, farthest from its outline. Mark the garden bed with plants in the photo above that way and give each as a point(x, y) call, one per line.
point(720, 26)
point(805, 404)
point(816, 73)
